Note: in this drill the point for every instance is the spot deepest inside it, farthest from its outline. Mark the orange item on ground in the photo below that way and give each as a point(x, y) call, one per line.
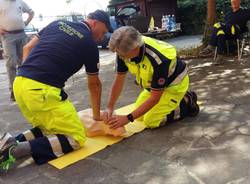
point(97, 128)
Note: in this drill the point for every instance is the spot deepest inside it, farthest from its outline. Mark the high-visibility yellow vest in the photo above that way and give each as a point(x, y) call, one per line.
point(144, 69)
point(221, 31)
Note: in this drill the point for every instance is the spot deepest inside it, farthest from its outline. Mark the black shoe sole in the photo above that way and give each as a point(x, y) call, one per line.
point(195, 111)
point(194, 96)
point(194, 108)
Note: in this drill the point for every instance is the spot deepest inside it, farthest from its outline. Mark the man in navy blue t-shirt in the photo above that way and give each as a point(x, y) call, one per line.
point(49, 59)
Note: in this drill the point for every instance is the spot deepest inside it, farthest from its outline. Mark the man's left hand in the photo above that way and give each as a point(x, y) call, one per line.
point(117, 121)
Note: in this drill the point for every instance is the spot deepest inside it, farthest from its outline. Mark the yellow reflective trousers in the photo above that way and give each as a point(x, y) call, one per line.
point(169, 101)
point(42, 106)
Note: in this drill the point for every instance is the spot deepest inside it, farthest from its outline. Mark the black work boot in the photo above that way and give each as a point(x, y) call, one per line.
point(7, 144)
point(193, 107)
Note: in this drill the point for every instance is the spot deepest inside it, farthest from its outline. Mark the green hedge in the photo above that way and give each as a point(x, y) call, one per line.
point(192, 14)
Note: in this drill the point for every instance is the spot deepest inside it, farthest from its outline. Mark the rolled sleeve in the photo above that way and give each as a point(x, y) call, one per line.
point(120, 65)
point(92, 64)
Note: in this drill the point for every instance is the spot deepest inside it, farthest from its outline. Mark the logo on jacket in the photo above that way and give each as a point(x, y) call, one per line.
point(161, 81)
point(69, 30)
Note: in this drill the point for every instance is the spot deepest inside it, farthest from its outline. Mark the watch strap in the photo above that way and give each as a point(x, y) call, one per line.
point(130, 117)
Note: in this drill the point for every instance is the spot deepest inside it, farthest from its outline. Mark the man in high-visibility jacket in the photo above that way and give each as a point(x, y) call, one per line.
point(235, 24)
point(158, 71)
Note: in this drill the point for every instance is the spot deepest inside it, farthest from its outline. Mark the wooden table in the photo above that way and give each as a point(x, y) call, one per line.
point(161, 34)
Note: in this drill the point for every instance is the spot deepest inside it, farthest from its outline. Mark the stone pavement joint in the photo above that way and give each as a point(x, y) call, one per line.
point(212, 148)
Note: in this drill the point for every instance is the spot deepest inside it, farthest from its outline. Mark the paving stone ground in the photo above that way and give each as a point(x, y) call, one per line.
point(212, 148)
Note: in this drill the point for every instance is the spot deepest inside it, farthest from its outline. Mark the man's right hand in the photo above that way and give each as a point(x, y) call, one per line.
point(2, 31)
point(107, 114)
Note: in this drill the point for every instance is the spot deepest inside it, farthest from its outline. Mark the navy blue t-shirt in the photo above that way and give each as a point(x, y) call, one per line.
point(240, 18)
point(63, 48)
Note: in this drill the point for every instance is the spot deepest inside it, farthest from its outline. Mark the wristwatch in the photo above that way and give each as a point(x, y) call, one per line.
point(130, 117)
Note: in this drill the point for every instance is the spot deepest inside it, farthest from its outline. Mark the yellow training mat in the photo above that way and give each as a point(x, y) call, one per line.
point(95, 144)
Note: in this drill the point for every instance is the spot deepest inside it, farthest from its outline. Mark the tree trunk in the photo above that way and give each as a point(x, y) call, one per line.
point(211, 17)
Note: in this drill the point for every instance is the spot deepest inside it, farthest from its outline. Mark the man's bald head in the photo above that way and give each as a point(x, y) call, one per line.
point(235, 5)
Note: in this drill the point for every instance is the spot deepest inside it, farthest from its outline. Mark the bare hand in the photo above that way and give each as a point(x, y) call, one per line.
point(97, 118)
point(107, 114)
point(117, 121)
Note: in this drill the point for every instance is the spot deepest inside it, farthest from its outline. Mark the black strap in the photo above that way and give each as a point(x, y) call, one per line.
point(64, 95)
point(130, 117)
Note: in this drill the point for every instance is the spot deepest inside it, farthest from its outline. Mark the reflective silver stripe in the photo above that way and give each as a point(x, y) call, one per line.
point(163, 121)
point(28, 135)
point(159, 61)
point(181, 76)
point(177, 113)
point(171, 71)
point(55, 145)
point(75, 145)
point(152, 54)
point(4, 139)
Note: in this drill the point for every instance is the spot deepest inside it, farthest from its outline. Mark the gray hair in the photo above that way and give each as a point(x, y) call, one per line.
point(125, 39)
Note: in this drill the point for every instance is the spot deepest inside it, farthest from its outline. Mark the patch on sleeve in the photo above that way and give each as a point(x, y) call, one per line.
point(161, 81)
